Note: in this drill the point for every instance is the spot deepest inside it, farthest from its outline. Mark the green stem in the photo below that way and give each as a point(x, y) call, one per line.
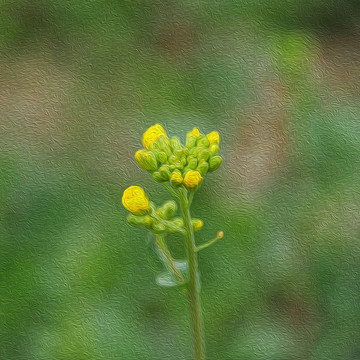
point(194, 284)
point(160, 242)
point(171, 190)
point(207, 244)
point(191, 197)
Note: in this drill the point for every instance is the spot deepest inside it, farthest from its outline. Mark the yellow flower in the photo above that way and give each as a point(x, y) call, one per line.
point(152, 134)
point(194, 133)
point(135, 200)
point(192, 179)
point(213, 137)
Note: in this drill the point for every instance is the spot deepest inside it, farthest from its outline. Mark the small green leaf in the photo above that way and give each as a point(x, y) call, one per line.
point(168, 279)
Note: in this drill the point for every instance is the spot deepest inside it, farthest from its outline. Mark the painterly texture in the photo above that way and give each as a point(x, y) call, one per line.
point(280, 82)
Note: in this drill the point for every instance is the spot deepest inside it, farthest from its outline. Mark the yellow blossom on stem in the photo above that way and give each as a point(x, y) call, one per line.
point(152, 134)
point(192, 179)
point(135, 200)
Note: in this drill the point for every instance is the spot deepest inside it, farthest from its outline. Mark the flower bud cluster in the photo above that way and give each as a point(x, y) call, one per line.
point(169, 160)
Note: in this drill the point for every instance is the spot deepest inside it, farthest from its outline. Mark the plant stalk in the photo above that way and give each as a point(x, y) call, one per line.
point(160, 242)
point(194, 281)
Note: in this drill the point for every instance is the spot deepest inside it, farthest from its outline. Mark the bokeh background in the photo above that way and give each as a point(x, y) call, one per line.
point(80, 81)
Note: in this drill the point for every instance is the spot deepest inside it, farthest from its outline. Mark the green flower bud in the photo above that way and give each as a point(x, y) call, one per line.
point(189, 158)
point(148, 222)
point(215, 162)
point(204, 154)
point(190, 141)
point(197, 151)
point(165, 172)
point(179, 165)
point(164, 145)
point(176, 179)
point(157, 177)
point(183, 161)
point(197, 224)
point(214, 148)
point(192, 164)
point(175, 144)
point(146, 160)
point(139, 220)
point(167, 210)
point(170, 209)
point(172, 159)
point(203, 167)
point(172, 167)
point(204, 142)
point(154, 146)
point(133, 220)
point(162, 157)
point(178, 153)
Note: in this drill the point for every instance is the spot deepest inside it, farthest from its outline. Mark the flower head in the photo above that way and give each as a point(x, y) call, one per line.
point(135, 200)
point(152, 134)
point(192, 179)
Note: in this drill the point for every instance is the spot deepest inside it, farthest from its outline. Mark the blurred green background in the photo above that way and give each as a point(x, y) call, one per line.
point(80, 82)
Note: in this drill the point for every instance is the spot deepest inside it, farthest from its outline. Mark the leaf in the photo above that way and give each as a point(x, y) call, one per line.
point(168, 278)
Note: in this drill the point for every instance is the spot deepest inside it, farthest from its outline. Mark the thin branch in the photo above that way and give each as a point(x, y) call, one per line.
point(160, 242)
point(207, 244)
